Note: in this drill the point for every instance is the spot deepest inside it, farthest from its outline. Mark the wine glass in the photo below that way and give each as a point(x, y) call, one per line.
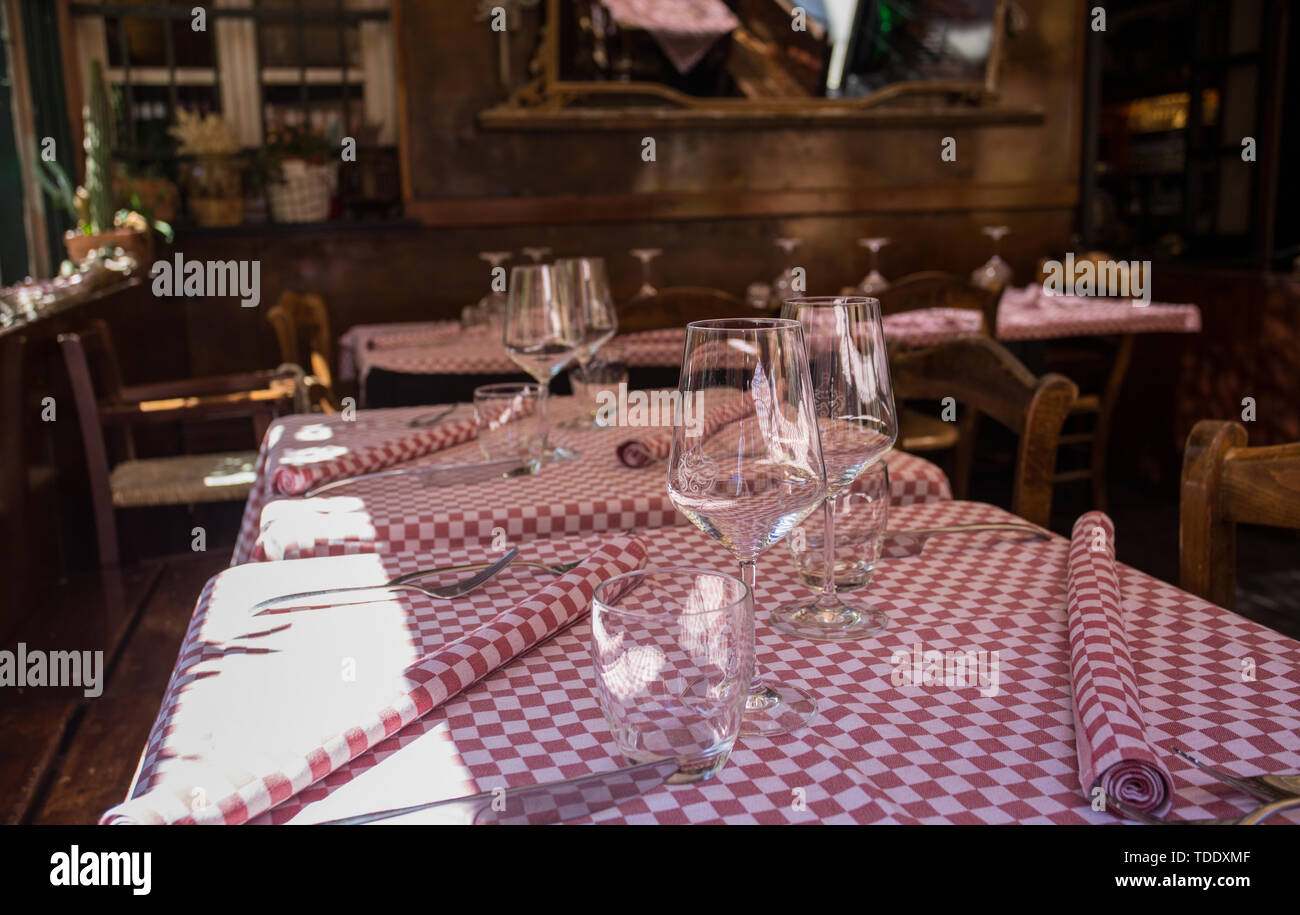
point(493, 305)
point(874, 282)
point(995, 273)
point(645, 256)
point(756, 470)
point(536, 254)
point(586, 278)
point(849, 365)
point(543, 331)
point(783, 285)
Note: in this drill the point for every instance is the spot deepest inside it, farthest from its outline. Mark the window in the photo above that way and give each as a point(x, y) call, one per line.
point(326, 64)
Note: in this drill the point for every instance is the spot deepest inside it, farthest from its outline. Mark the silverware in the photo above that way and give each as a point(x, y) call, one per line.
point(440, 474)
point(430, 419)
point(406, 582)
point(1262, 787)
point(1253, 818)
point(549, 802)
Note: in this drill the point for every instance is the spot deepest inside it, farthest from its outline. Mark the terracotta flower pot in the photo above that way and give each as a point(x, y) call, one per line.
point(135, 242)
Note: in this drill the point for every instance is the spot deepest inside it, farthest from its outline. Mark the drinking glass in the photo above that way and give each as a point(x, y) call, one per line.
point(995, 273)
point(543, 331)
point(493, 305)
point(587, 280)
point(603, 373)
point(874, 282)
point(645, 256)
point(509, 421)
point(861, 515)
point(783, 285)
point(673, 651)
point(849, 365)
point(755, 471)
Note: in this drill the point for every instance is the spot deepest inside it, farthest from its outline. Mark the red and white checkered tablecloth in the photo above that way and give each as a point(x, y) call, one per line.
point(883, 749)
point(1028, 313)
point(399, 514)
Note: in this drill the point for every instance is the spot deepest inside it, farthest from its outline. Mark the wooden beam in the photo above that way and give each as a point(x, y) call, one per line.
point(688, 205)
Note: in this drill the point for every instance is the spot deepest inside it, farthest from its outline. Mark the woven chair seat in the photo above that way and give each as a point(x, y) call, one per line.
point(222, 477)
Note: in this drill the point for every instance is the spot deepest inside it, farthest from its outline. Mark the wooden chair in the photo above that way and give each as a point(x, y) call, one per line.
point(677, 306)
point(1107, 363)
point(1226, 484)
point(981, 375)
point(920, 432)
point(104, 404)
point(302, 328)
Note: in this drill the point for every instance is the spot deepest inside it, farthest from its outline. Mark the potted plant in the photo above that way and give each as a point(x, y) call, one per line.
point(98, 223)
point(214, 175)
point(301, 172)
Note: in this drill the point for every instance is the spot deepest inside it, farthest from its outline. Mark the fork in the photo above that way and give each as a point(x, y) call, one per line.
point(1262, 787)
point(401, 582)
point(1253, 818)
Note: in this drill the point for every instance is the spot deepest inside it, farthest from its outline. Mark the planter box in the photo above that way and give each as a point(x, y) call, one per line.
point(134, 242)
point(305, 193)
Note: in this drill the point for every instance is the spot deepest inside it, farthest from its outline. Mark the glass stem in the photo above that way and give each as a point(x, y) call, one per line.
point(543, 420)
point(761, 696)
point(828, 597)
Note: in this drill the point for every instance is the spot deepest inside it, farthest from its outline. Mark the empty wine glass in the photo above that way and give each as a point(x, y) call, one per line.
point(645, 256)
point(849, 364)
point(874, 282)
point(783, 287)
point(536, 254)
point(758, 471)
point(493, 305)
point(995, 273)
point(587, 280)
point(543, 331)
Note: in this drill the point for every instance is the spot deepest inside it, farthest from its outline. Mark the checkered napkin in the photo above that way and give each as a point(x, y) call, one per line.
point(295, 479)
point(220, 775)
point(1108, 730)
point(655, 446)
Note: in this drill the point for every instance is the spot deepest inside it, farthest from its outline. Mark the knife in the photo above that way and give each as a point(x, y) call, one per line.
point(440, 474)
point(901, 544)
point(549, 802)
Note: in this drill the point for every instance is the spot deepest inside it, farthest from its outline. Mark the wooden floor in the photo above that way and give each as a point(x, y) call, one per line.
point(67, 759)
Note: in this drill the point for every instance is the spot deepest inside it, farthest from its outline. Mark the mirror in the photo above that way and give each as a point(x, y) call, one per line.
point(773, 54)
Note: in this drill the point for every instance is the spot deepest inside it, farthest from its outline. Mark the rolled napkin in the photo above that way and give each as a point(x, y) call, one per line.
point(440, 332)
point(1113, 750)
point(203, 774)
point(295, 479)
point(656, 446)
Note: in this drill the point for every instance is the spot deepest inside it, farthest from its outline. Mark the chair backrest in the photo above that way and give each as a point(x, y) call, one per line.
point(1225, 484)
point(286, 333)
point(935, 289)
point(92, 439)
point(677, 306)
point(309, 335)
point(982, 375)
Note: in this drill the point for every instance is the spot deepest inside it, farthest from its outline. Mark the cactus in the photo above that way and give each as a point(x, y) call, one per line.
point(99, 181)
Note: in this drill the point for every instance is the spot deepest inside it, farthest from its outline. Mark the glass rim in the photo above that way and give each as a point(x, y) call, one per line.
point(745, 594)
point(507, 389)
point(823, 301)
point(744, 325)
